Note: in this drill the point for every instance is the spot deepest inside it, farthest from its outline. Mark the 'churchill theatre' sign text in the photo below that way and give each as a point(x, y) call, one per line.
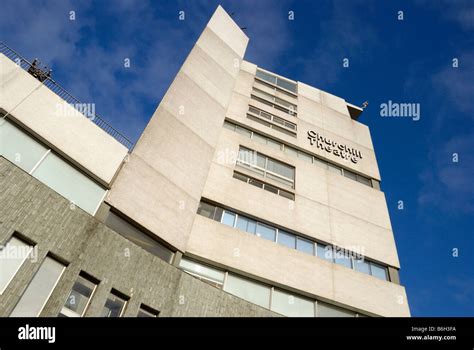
point(333, 147)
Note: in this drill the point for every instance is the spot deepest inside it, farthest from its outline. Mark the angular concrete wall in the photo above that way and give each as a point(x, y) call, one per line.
point(51, 119)
point(161, 186)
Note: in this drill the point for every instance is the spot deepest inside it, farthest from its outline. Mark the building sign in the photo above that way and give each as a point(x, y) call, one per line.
point(339, 150)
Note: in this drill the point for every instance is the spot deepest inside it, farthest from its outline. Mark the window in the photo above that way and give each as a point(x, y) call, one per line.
point(273, 101)
point(341, 257)
point(256, 113)
point(328, 310)
point(79, 297)
point(266, 166)
point(291, 305)
point(18, 147)
point(248, 290)
point(264, 186)
point(146, 311)
point(12, 257)
point(305, 246)
point(207, 210)
point(38, 160)
point(325, 252)
point(115, 305)
point(286, 239)
point(273, 79)
point(39, 290)
point(228, 218)
point(70, 183)
point(245, 224)
point(205, 273)
point(378, 271)
point(138, 236)
point(266, 231)
point(362, 265)
point(350, 175)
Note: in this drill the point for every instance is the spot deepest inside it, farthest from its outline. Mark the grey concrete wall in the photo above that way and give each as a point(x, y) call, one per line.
point(43, 216)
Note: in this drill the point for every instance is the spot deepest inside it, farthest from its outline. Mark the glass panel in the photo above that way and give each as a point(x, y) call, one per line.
point(305, 245)
point(305, 157)
point(320, 163)
point(70, 183)
point(291, 305)
point(229, 126)
point(37, 294)
point(364, 180)
point(265, 231)
point(242, 131)
point(256, 183)
point(146, 311)
point(362, 266)
point(279, 120)
point(260, 138)
point(284, 131)
point(113, 306)
point(258, 120)
point(342, 258)
point(79, 296)
point(280, 180)
point(252, 225)
point(378, 271)
point(137, 236)
point(349, 174)
point(271, 188)
point(246, 155)
point(291, 151)
point(228, 218)
point(285, 84)
point(206, 209)
point(266, 115)
point(266, 76)
point(274, 144)
point(327, 310)
point(18, 147)
point(280, 168)
point(242, 223)
point(202, 270)
point(290, 125)
point(286, 239)
point(325, 252)
point(334, 169)
point(286, 194)
point(248, 290)
point(12, 256)
point(241, 177)
point(254, 110)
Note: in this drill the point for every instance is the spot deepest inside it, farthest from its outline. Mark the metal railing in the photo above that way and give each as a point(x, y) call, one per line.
point(66, 96)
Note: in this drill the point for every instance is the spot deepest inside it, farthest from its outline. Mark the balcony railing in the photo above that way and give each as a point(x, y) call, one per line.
point(66, 96)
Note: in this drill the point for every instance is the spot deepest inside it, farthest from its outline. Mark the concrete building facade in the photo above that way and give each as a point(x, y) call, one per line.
point(248, 194)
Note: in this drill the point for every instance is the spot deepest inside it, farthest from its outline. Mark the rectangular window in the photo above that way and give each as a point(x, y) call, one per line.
point(207, 210)
point(205, 273)
point(138, 236)
point(115, 304)
point(328, 310)
point(342, 258)
point(291, 305)
point(273, 79)
point(246, 224)
point(70, 183)
point(304, 245)
point(378, 271)
point(248, 290)
point(362, 266)
point(79, 297)
point(12, 257)
point(271, 121)
point(266, 166)
point(265, 186)
point(146, 311)
point(350, 175)
point(40, 288)
point(228, 218)
point(265, 231)
point(18, 147)
point(325, 252)
point(286, 239)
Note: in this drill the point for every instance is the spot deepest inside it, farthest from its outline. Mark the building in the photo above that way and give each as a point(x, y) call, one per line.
point(248, 194)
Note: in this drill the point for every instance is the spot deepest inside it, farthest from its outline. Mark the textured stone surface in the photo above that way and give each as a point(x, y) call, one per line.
point(84, 243)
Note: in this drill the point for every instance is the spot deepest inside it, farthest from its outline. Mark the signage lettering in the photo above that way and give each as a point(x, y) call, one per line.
point(333, 147)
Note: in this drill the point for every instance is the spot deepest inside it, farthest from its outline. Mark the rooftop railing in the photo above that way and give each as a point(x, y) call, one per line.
point(66, 96)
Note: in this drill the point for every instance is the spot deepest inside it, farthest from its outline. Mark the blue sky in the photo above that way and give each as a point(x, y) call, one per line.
point(407, 61)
